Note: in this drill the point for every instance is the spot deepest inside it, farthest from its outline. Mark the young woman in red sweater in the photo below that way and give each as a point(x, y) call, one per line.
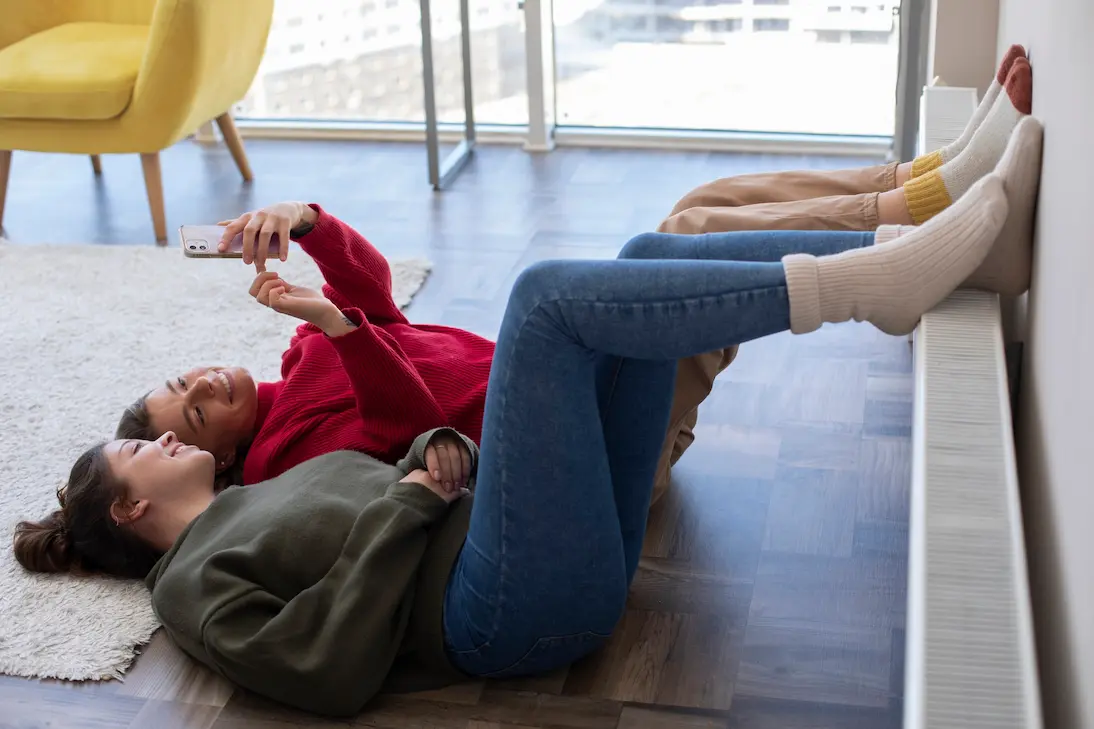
point(348, 373)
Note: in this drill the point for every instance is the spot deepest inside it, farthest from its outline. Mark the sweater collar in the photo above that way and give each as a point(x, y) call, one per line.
point(267, 393)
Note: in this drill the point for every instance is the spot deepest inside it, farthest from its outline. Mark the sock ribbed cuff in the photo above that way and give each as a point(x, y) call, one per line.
point(888, 233)
point(803, 290)
point(926, 196)
point(924, 163)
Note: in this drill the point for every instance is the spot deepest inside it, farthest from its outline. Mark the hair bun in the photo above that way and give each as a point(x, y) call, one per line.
point(44, 546)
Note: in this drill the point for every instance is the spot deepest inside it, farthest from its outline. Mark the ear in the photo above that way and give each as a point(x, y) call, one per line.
point(127, 512)
point(226, 461)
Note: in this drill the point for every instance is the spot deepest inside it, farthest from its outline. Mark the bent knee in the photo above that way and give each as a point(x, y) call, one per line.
point(540, 281)
point(648, 246)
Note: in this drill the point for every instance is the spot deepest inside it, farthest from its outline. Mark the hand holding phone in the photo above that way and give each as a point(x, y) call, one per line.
point(260, 227)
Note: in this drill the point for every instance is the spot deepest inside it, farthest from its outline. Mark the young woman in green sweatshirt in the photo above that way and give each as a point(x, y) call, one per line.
point(345, 576)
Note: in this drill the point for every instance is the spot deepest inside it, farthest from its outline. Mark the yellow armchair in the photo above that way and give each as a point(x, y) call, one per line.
point(124, 76)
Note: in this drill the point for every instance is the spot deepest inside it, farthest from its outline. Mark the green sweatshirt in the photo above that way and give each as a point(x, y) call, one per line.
point(320, 587)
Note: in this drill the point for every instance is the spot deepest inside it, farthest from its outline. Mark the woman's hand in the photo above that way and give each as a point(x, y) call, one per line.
point(448, 461)
point(421, 477)
point(271, 290)
point(258, 226)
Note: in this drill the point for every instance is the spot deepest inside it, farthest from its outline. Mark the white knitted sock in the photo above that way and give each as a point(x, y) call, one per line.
point(928, 195)
point(955, 147)
point(889, 233)
point(1006, 270)
point(893, 285)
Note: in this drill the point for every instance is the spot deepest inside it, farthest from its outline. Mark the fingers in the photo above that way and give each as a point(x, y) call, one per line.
point(262, 245)
point(444, 467)
point(232, 228)
point(283, 302)
point(431, 465)
point(455, 468)
point(465, 463)
point(283, 240)
point(267, 289)
point(261, 279)
point(423, 479)
point(250, 234)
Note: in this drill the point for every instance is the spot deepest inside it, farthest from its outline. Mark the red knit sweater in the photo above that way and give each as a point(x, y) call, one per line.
point(375, 389)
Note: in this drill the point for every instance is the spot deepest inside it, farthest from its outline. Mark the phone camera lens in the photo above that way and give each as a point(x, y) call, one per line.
point(202, 246)
point(193, 247)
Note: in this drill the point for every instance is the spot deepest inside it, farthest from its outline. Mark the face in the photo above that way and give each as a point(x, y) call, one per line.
point(161, 471)
point(213, 408)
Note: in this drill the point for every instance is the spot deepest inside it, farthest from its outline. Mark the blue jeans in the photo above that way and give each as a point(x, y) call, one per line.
point(576, 411)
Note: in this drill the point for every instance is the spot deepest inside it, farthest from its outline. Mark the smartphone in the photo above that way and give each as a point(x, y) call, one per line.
point(201, 241)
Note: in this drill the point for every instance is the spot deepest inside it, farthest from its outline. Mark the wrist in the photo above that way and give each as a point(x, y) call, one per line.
point(334, 323)
point(306, 218)
point(307, 214)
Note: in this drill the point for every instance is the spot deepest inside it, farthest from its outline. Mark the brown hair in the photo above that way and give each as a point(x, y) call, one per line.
point(136, 424)
point(81, 536)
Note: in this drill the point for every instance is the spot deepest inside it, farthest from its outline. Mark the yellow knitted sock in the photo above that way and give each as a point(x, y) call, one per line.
point(931, 193)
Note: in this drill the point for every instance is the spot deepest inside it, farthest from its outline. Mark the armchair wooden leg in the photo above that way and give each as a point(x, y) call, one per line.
point(235, 145)
point(97, 164)
point(5, 170)
point(153, 183)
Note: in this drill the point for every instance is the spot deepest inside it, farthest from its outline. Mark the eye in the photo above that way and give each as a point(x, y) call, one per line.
point(182, 383)
point(201, 416)
point(137, 446)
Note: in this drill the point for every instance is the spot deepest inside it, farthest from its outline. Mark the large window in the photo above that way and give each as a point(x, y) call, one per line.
point(805, 66)
point(798, 66)
point(362, 60)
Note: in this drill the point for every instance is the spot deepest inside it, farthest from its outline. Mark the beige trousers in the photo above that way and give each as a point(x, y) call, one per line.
point(801, 200)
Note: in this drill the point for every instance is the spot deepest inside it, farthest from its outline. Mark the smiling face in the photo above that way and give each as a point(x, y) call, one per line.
point(213, 408)
point(162, 471)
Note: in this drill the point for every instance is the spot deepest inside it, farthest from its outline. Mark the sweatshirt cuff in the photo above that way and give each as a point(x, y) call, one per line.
point(419, 498)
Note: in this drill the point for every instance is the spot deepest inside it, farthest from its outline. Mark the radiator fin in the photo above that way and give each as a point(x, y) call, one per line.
point(969, 614)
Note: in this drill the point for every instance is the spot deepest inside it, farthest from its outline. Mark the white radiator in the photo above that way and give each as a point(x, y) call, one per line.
point(970, 653)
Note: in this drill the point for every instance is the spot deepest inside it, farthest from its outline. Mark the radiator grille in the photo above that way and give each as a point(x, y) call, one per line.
point(944, 113)
point(970, 648)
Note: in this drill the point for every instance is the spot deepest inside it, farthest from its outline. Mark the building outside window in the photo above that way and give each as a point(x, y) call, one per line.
point(800, 66)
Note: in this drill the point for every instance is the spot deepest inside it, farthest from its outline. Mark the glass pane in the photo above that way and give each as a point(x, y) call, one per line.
point(362, 60)
point(804, 66)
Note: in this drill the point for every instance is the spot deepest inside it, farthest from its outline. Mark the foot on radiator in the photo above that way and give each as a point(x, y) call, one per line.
point(924, 163)
point(932, 193)
point(893, 285)
point(1006, 270)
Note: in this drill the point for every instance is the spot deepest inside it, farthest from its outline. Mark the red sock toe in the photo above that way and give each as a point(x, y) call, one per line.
point(1013, 53)
point(1019, 85)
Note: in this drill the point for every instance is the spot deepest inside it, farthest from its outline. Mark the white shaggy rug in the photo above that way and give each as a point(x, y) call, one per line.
point(83, 331)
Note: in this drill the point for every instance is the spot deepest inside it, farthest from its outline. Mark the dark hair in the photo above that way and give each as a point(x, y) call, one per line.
point(136, 424)
point(81, 536)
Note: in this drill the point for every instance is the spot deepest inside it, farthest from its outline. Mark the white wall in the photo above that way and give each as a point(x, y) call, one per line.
point(963, 42)
point(1055, 434)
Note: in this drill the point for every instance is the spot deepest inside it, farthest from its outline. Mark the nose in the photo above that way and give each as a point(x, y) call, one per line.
point(201, 390)
point(168, 438)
